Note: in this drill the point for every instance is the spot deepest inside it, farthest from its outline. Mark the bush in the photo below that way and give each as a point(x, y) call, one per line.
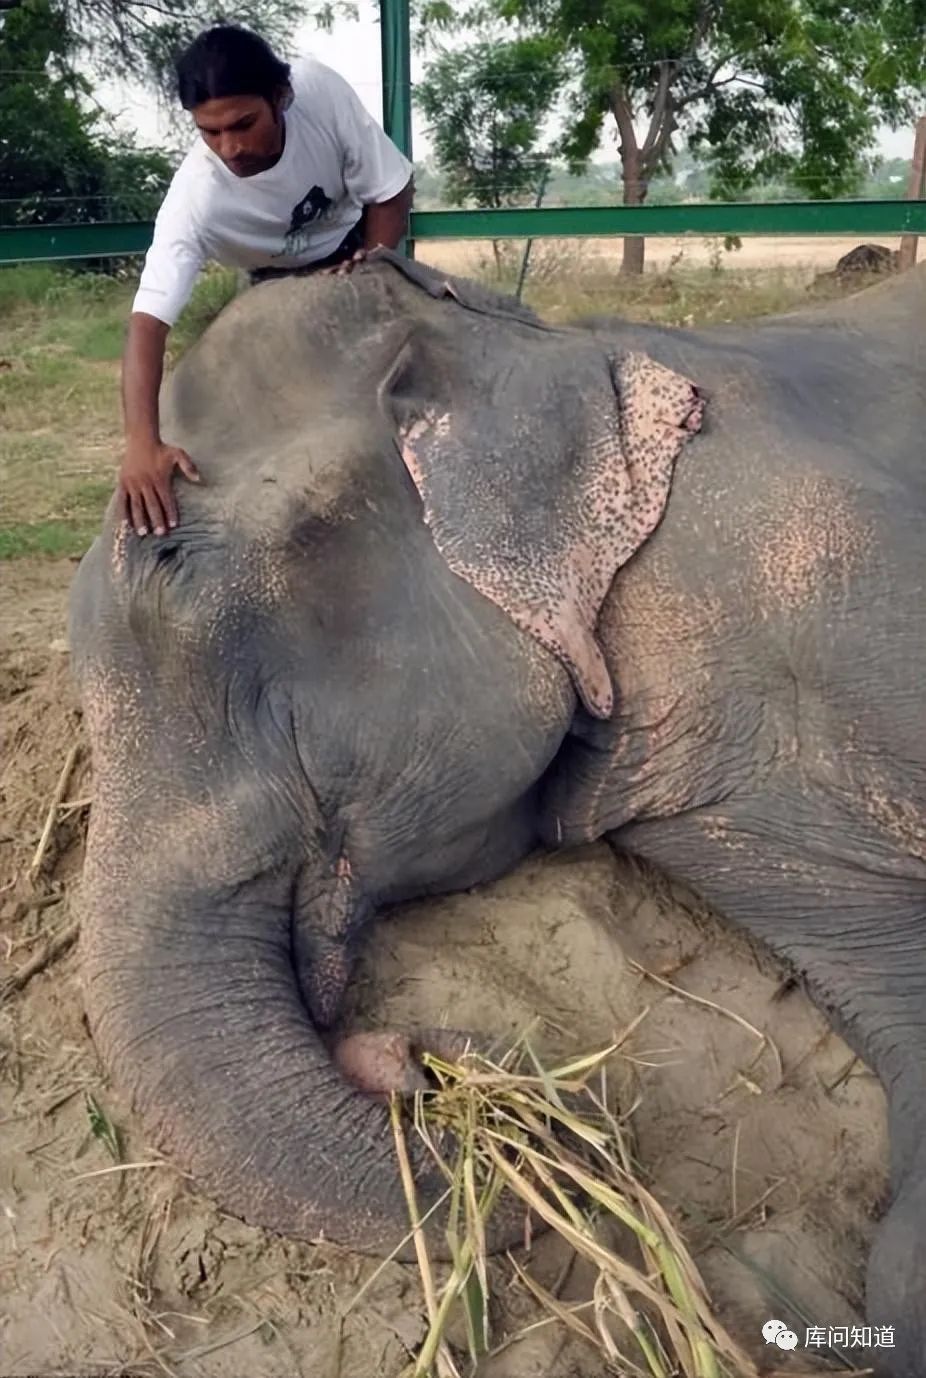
point(51, 284)
point(215, 288)
point(27, 284)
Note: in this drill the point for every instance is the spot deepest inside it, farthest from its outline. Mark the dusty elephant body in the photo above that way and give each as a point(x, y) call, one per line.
point(338, 684)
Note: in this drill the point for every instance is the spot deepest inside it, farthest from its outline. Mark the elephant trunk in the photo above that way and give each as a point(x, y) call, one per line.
point(194, 1006)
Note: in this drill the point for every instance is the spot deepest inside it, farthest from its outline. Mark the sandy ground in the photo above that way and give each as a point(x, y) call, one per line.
point(770, 1151)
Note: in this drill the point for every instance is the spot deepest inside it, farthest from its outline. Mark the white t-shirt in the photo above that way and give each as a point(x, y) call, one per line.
point(336, 159)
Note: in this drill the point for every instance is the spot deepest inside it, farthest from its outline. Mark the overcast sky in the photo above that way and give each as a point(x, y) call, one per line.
point(353, 50)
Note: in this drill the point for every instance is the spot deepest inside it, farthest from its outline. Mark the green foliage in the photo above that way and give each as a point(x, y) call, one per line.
point(83, 300)
point(139, 38)
point(764, 88)
point(54, 540)
point(327, 12)
point(689, 180)
point(102, 1128)
point(486, 104)
point(26, 284)
point(59, 158)
point(766, 91)
point(214, 289)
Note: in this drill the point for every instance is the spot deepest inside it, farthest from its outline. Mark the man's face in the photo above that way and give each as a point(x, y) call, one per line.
point(246, 132)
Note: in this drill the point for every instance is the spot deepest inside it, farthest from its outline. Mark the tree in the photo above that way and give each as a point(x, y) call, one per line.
point(762, 88)
point(59, 158)
point(138, 38)
point(486, 103)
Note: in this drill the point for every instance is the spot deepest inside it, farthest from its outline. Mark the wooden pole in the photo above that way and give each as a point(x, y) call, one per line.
point(915, 192)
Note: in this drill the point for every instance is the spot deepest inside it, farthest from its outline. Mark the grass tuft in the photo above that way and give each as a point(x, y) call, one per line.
point(212, 293)
point(102, 1128)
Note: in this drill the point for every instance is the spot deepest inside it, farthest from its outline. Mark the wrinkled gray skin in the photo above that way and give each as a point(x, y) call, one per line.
point(299, 715)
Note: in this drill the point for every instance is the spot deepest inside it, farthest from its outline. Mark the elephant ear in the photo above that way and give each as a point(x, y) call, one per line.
point(542, 464)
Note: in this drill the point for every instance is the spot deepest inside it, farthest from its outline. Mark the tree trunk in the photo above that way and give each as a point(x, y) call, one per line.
point(635, 190)
point(632, 173)
point(497, 255)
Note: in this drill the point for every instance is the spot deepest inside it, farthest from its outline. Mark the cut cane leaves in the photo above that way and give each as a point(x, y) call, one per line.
point(545, 1135)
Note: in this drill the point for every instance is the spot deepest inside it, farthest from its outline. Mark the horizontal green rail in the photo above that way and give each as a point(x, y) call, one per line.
point(19, 244)
point(704, 218)
point(32, 243)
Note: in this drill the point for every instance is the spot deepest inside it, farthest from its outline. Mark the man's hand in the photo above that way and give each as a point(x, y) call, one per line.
point(146, 494)
point(145, 488)
point(384, 223)
point(347, 266)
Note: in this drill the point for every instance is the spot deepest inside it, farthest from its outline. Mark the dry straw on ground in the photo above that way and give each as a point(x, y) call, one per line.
point(549, 1137)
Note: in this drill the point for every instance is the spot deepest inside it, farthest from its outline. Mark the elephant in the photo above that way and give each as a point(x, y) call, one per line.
point(459, 584)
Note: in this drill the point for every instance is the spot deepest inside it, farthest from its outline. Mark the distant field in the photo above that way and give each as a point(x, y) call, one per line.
point(60, 424)
point(809, 254)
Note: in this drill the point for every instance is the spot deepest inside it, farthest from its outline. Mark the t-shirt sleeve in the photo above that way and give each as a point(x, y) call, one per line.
point(173, 260)
point(374, 168)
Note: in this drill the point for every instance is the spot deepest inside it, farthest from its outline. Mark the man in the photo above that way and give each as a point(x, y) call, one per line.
point(289, 174)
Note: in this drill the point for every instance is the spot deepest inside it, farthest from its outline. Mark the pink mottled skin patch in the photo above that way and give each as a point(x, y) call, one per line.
point(120, 538)
point(802, 532)
point(622, 484)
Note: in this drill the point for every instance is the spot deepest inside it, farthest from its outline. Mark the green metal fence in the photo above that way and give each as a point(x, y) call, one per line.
point(19, 244)
point(31, 243)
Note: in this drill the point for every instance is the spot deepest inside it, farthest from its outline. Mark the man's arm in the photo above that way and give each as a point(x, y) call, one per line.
point(172, 264)
point(145, 486)
point(377, 175)
point(386, 222)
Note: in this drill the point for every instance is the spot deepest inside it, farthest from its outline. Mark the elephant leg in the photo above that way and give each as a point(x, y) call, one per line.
point(855, 928)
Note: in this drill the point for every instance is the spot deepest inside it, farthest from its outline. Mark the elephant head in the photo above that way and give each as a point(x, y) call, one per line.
point(335, 685)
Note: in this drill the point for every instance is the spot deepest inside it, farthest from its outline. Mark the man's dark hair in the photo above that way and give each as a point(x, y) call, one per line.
point(228, 61)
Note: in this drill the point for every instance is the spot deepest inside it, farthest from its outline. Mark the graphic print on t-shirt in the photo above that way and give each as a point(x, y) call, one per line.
point(313, 207)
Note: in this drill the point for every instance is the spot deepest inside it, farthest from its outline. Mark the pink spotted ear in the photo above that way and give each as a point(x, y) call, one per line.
point(540, 481)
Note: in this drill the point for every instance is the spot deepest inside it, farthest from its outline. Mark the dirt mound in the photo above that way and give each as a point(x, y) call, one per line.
point(868, 258)
point(757, 1127)
point(859, 268)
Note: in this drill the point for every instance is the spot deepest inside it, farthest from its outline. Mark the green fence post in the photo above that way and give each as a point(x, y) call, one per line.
point(395, 40)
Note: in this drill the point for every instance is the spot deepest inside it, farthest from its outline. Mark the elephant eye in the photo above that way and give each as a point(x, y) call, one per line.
point(311, 523)
point(166, 553)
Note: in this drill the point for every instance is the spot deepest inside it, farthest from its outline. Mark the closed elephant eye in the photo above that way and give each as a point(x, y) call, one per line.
point(167, 553)
point(311, 524)
point(169, 559)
